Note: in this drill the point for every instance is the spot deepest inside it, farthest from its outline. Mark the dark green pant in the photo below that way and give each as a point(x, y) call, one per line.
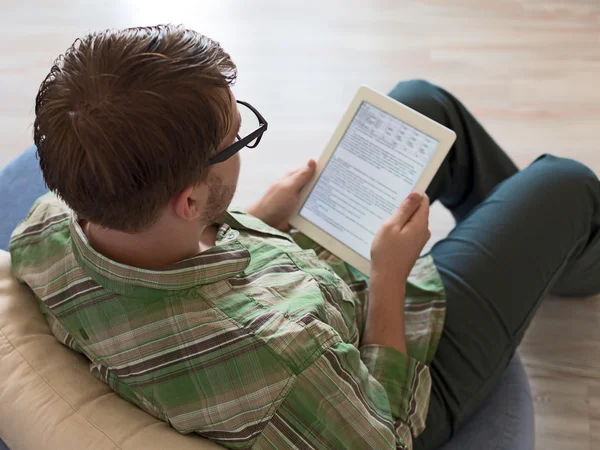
point(519, 235)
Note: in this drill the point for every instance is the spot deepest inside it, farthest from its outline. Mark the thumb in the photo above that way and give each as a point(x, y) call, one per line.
point(303, 176)
point(422, 214)
point(407, 209)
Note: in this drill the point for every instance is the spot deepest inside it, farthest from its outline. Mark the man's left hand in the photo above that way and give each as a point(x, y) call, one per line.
point(281, 199)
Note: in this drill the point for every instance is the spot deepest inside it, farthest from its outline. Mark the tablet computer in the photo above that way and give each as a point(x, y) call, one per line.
point(380, 152)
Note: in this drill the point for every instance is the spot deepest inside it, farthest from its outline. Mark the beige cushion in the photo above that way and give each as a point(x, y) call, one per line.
point(49, 400)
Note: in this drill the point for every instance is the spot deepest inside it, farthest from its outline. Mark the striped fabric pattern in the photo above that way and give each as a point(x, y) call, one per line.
point(254, 343)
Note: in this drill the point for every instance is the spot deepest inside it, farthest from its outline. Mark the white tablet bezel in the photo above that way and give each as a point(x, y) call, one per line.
point(443, 135)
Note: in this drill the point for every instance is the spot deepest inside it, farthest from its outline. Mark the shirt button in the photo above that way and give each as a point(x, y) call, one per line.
point(286, 315)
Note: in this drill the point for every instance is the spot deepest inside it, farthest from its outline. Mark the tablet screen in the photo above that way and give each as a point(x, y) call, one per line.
point(374, 168)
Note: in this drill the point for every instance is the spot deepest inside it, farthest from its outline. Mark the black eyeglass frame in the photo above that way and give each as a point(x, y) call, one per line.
point(242, 142)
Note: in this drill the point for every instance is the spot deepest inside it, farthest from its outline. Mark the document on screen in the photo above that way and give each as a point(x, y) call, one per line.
point(373, 169)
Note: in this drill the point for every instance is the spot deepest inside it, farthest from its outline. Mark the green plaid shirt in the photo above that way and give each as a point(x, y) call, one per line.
point(254, 343)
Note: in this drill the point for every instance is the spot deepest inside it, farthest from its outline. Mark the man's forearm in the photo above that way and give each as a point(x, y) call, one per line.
point(385, 314)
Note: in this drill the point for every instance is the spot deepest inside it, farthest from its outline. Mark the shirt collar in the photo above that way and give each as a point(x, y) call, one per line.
point(226, 259)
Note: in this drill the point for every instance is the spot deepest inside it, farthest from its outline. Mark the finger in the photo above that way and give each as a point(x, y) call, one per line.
point(302, 176)
point(292, 172)
point(407, 209)
point(300, 169)
point(421, 215)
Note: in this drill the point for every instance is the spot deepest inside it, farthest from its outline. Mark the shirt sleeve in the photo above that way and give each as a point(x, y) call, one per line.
point(406, 381)
point(337, 403)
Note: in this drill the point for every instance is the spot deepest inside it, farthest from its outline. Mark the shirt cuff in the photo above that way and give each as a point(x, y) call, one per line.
point(406, 381)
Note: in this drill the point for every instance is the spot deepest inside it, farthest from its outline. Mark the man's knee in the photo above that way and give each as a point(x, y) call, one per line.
point(565, 178)
point(416, 87)
point(421, 96)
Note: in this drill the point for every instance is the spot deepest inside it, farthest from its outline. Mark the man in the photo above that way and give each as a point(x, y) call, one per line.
point(224, 324)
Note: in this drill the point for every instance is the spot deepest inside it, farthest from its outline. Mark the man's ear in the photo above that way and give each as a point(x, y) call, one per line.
point(189, 203)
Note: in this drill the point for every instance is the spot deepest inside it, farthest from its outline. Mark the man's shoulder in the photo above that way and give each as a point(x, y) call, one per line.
point(41, 235)
point(241, 220)
point(46, 212)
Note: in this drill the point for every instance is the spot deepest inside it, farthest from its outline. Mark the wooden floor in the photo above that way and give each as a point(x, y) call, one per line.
point(529, 69)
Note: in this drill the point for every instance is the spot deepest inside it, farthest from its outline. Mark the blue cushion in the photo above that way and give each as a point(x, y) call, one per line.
point(21, 183)
point(504, 422)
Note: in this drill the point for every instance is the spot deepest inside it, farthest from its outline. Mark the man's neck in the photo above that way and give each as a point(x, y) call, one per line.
point(157, 247)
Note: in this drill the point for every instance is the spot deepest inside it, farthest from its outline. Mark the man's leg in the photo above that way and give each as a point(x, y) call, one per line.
point(537, 231)
point(474, 165)
point(21, 183)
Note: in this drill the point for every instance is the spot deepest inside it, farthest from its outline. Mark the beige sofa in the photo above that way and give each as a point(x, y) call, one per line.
point(48, 399)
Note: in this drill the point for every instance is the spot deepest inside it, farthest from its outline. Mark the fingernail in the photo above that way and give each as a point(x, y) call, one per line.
point(415, 197)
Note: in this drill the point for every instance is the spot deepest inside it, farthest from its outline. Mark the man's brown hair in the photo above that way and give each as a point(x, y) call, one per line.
point(128, 118)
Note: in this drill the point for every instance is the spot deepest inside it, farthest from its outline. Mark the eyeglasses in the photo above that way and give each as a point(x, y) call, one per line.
point(252, 128)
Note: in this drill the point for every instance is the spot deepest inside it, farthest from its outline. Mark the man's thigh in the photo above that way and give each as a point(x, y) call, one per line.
point(496, 266)
point(21, 183)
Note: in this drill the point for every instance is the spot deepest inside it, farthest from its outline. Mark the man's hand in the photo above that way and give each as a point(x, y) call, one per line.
point(394, 251)
point(401, 238)
point(281, 199)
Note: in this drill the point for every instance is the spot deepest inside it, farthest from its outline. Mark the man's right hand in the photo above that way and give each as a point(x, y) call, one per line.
point(394, 251)
point(399, 241)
